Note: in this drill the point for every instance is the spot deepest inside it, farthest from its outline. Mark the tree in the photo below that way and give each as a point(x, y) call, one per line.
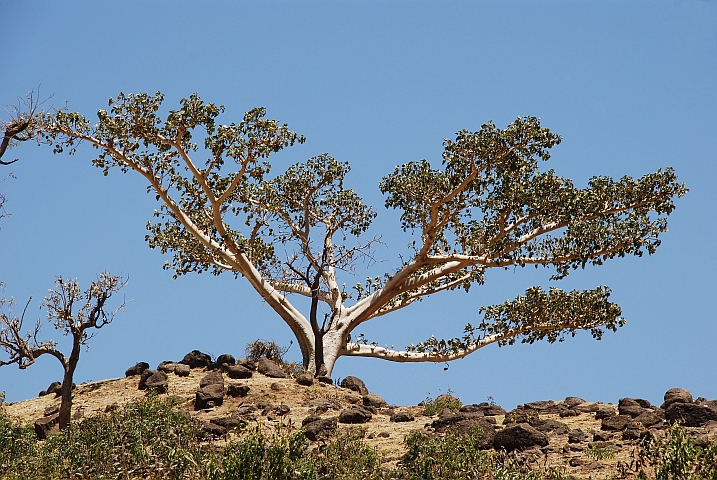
point(25, 119)
point(61, 306)
point(488, 206)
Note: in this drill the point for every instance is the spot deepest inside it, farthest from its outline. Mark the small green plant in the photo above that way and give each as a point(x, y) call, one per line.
point(599, 452)
point(676, 457)
point(433, 407)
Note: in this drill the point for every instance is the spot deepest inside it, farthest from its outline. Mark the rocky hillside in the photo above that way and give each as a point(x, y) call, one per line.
point(587, 439)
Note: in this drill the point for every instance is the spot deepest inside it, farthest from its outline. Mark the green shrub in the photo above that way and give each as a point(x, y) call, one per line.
point(433, 407)
point(17, 446)
point(597, 452)
point(348, 457)
point(676, 457)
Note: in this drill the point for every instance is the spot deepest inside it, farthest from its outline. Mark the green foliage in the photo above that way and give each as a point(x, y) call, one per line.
point(347, 457)
point(453, 456)
point(433, 407)
point(677, 458)
point(597, 452)
point(17, 445)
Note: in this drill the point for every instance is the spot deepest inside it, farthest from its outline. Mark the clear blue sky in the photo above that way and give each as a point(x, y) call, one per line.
point(631, 87)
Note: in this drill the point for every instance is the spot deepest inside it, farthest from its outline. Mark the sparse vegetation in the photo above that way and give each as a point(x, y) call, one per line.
point(154, 439)
point(433, 407)
point(597, 452)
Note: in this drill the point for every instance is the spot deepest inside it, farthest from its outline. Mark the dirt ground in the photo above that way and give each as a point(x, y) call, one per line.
point(387, 437)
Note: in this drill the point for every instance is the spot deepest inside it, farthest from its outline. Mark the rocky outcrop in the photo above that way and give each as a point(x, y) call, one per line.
point(355, 414)
point(519, 437)
point(137, 369)
point(676, 395)
point(269, 368)
point(690, 414)
point(197, 359)
point(305, 379)
point(355, 384)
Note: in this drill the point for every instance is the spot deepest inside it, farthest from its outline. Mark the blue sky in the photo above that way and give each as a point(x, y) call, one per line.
point(631, 87)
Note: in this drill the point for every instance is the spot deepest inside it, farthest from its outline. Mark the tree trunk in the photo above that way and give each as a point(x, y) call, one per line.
point(66, 404)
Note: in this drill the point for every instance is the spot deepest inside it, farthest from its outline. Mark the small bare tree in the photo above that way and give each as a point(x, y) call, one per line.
point(25, 122)
point(74, 313)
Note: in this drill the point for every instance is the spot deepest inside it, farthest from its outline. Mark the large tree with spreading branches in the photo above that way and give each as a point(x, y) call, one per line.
point(488, 205)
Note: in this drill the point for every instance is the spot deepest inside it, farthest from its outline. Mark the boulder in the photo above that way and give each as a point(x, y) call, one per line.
point(373, 400)
point(462, 423)
point(51, 410)
point(578, 436)
point(325, 380)
point(157, 382)
point(543, 406)
point(617, 422)
point(237, 371)
point(46, 426)
point(270, 368)
point(573, 401)
point(547, 426)
point(520, 415)
point(355, 384)
point(676, 395)
point(225, 358)
point(519, 437)
point(137, 369)
point(355, 414)
point(197, 359)
point(634, 431)
point(228, 422)
point(213, 378)
point(168, 366)
point(631, 407)
point(282, 410)
point(605, 412)
point(650, 417)
point(447, 398)
point(55, 387)
point(210, 396)
point(690, 415)
point(246, 363)
point(305, 379)
point(212, 430)
point(244, 410)
point(235, 390)
point(143, 378)
point(320, 429)
point(181, 370)
point(402, 417)
point(310, 419)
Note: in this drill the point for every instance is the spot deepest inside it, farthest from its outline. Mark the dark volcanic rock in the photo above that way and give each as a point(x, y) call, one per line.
point(690, 415)
point(157, 382)
point(214, 378)
point(236, 390)
point(196, 359)
point(212, 430)
point(228, 422)
point(209, 396)
point(355, 384)
point(578, 436)
point(618, 422)
point(320, 429)
point(521, 415)
point(634, 431)
point(305, 379)
point(605, 412)
point(373, 400)
point(519, 437)
point(269, 368)
point(143, 378)
point(181, 370)
point(55, 387)
point(676, 395)
point(650, 417)
point(46, 426)
point(631, 407)
point(325, 379)
point(137, 369)
point(237, 372)
point(573, 401)
point(463, 422)
point(355, 414)
point(402, 417)
point(225, 358)
point(547, 426)
point(168, 366)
